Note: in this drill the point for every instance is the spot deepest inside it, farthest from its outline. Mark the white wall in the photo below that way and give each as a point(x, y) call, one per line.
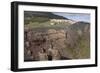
point(5, 35)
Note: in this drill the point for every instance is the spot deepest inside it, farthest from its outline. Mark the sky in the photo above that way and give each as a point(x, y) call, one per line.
point(75, 16)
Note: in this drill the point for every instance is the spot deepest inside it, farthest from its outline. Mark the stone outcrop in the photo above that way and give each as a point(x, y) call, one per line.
point(37, 40)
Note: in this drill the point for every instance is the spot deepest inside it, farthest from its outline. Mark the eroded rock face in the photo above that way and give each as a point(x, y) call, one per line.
point(58, 38)
point(67, 41)
point(37, 40)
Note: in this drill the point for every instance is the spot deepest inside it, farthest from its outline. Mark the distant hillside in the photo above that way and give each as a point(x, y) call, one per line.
point(42, 14)
point(42, 19)
point(80, 25)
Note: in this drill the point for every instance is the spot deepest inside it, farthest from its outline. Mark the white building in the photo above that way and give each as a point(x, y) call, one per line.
point(60, 21)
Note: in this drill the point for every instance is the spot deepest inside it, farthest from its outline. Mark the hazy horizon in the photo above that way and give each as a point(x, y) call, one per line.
point(75, 16)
